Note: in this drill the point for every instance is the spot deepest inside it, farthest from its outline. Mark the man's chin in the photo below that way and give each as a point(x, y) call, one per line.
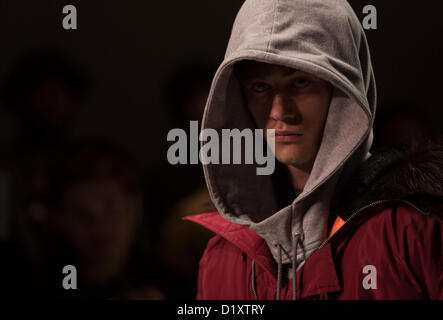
point(287, 157)
point(288, 161)
point(292, 160)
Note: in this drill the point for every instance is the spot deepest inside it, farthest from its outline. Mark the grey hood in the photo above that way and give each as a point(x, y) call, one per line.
point(321, 37)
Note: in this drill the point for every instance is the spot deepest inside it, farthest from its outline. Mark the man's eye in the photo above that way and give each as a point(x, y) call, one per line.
point(301, 82)
point(260, 87)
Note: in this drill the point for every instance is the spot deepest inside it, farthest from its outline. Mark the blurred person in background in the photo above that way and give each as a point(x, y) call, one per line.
point(43, 93)
point(182, 188)
point(87, 211)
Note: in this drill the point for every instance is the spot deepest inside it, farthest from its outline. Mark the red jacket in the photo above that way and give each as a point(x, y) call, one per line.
point(389, 250)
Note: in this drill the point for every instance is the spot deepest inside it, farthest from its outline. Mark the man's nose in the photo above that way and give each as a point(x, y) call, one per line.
point(281, 108)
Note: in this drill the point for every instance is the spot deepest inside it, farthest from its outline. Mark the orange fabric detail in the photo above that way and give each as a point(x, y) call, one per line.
point(337, 225)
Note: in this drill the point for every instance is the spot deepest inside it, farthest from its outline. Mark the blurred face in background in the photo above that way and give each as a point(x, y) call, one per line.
point(292, 102)
point(99, 220)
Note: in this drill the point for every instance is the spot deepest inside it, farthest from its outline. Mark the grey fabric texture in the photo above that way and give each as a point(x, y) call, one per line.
point(324, 38)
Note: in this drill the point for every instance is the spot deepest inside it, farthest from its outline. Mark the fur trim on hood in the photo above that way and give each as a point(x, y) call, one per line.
point(398, 173)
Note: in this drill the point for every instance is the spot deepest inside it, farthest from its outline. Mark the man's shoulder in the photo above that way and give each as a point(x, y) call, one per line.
point(215, 222)
point(400, 229)
point(400, 216)
point(231, 237)
point(402, 245)
point(224, 229)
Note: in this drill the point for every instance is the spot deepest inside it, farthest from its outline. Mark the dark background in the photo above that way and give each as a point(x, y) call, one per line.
point(129, 50)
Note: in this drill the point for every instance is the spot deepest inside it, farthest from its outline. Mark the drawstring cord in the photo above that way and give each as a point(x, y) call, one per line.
point(279, 273)
point(253, 281)
point(296, 239)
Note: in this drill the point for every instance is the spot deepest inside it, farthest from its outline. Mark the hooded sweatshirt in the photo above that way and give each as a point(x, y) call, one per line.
point(324, 38)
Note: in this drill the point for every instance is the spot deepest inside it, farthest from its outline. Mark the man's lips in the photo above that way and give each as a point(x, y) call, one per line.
point(287, 135)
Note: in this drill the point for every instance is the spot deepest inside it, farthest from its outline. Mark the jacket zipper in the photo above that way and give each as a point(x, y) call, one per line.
point(365, 208)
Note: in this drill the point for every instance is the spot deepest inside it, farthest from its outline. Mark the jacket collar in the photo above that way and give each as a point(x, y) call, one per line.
point(316, 280)
point(242, 237)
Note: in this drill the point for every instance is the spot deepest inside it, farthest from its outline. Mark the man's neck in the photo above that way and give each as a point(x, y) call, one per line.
point(298, 177)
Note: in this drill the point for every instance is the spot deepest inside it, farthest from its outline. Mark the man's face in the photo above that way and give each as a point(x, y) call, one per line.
point(292, 102)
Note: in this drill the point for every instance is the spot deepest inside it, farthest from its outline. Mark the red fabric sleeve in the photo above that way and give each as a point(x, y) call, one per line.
point(424, 253)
